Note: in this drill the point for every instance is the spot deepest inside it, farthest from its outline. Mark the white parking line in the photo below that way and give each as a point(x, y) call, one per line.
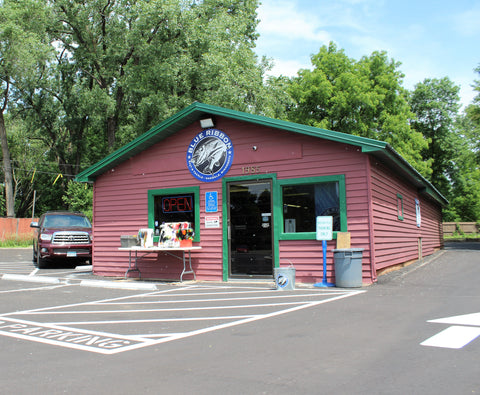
point(179, 321)
point(183, 309)
point(34, 289)
point(221, 317)
point(453, 337)
point(272, 296)
point(456, 336)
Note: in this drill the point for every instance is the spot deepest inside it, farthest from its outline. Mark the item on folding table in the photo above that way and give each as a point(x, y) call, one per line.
point(146, 237)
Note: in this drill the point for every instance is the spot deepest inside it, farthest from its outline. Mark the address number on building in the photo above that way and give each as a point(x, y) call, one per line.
point(250, 169)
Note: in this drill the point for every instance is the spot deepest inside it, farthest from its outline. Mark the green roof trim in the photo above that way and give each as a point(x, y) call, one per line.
point(197, 111)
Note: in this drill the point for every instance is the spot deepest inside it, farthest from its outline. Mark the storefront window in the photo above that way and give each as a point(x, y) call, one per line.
point(174, 205)
point(305, 199)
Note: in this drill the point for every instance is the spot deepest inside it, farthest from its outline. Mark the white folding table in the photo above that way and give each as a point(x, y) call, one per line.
point(184, 251)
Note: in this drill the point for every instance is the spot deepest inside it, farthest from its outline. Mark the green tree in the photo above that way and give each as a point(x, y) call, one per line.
point(79, 197)
point(23, 52)
point(472, 115)
point(131, 64)
point(364, 98)
point(120, 67)
point(465, 177)
point(435, 103)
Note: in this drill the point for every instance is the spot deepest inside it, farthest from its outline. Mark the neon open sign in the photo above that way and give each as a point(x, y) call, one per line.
point(177, 204)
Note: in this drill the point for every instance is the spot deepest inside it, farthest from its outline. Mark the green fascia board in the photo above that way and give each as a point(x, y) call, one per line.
point(152, 136)
point(197, 111)
point(423, 185)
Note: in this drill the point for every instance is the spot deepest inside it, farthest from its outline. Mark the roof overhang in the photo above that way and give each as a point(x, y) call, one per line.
point(197, 111)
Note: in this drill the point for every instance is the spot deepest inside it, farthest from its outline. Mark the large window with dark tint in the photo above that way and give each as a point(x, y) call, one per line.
point(303, 203)
point(303, 200)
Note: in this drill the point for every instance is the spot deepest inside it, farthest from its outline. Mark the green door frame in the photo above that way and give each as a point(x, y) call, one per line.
point(257, 177)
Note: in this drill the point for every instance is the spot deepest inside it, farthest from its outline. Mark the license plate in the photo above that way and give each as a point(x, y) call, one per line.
point(71, 254)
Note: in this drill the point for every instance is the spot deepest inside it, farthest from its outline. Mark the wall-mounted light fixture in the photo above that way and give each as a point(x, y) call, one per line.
point(207, 123)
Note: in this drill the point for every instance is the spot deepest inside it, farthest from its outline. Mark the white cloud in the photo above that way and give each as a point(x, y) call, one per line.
point(288, 68)
point(467, 23)
point(283, 20)
point(429, 43)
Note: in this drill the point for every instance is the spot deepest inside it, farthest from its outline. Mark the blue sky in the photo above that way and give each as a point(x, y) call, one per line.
point(431, 38)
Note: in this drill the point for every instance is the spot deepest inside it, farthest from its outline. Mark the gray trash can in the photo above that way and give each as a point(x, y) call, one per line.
point(348, 267)
point(284, 278)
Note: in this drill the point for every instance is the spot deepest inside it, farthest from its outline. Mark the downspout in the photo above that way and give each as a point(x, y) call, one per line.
point(371, 233)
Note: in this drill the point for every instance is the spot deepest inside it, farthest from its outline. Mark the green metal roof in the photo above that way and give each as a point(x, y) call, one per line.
point(197, 111)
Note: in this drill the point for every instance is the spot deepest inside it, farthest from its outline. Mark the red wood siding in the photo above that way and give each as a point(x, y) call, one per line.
point(397, 241)
point(121, 206)
point(120, 198)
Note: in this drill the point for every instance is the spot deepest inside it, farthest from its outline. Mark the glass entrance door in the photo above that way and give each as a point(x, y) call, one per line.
point(250, 227)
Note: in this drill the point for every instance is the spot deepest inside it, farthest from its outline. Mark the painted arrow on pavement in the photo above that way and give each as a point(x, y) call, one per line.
point(465, 328)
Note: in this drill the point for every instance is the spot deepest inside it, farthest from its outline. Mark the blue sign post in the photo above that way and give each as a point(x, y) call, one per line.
point(324, 233)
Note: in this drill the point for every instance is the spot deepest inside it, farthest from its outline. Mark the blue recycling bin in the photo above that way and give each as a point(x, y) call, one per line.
point(348, 267)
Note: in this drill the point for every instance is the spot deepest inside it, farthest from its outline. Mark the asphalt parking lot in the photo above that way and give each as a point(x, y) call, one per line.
point(414, 331)
point(134, 321)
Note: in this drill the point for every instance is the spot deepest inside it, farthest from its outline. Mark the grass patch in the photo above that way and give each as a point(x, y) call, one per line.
point(16, 242)
point(461, 237)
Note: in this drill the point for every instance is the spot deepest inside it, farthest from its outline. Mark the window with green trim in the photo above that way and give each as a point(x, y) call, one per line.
point(400, 207)
point(305, 199)
point(174, 205)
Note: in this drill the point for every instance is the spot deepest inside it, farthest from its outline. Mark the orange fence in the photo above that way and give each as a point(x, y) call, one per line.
point(449, 228)
point(15, 228)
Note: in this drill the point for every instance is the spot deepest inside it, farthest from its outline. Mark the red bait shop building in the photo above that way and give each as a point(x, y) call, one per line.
point(250, 188)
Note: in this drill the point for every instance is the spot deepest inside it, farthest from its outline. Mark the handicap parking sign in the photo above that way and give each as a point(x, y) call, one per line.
point(211, 202)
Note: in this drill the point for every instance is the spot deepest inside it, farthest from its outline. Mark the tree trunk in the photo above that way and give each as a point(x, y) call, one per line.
point(7, 169)
point(111, 129)
point(112, 121)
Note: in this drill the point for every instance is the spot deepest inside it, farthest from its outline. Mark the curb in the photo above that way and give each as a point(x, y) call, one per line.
point(32, 279)
point(83, 283)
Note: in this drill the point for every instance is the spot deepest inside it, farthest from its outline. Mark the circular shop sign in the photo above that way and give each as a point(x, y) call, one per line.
point(210, 155)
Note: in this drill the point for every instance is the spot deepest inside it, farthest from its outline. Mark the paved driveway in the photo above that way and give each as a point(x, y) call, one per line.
point(405, 334)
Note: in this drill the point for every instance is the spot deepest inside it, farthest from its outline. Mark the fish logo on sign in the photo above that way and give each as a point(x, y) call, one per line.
point(210, 155)
point(282, 280)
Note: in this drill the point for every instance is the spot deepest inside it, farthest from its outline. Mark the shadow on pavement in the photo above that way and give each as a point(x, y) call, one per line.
point(462, 245)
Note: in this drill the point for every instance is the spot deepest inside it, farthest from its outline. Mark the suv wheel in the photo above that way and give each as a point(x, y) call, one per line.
point(39, 262)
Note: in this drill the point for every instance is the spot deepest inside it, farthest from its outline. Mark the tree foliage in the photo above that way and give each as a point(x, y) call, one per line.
point(363, 98)
point(23, 50)
point(78, 197)
point(126, 65)
point(80, 78)
point(120, 67)
point(435, 103)
point(464, 176)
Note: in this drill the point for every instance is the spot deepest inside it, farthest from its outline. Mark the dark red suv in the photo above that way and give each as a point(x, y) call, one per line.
point(62, 236)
